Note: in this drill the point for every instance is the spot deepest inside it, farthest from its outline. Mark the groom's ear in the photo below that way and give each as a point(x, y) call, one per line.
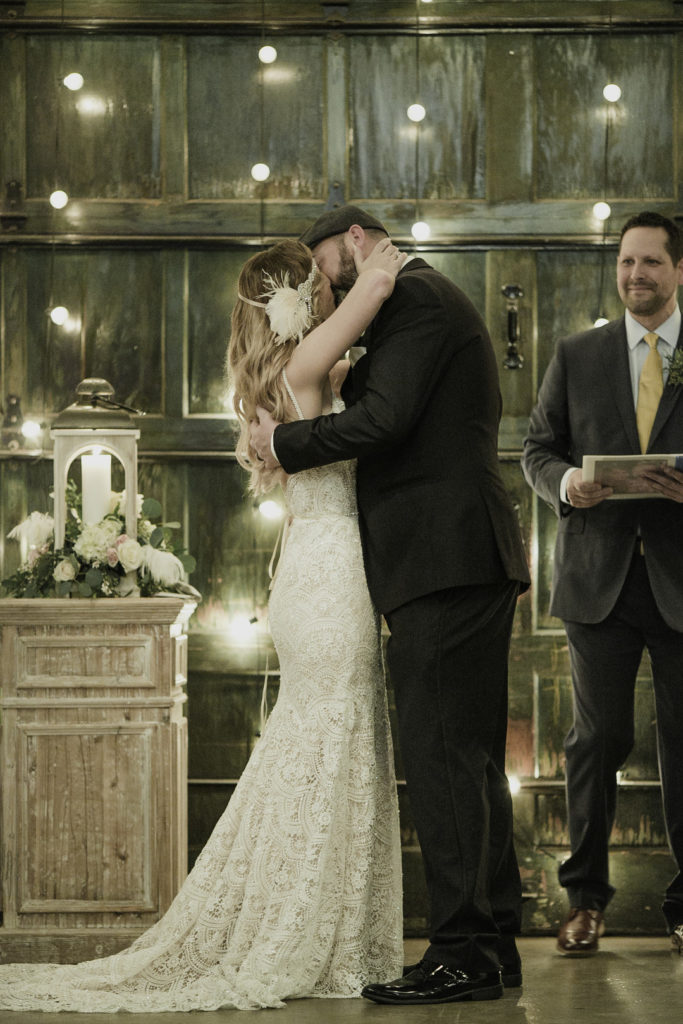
point(356, 234)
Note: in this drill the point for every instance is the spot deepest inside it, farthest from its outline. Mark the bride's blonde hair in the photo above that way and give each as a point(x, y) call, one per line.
point(256, 355)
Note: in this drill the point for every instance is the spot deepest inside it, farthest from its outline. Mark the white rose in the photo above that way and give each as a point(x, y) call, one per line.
point(94, 541)
point(130, 554)
point(64, 571)
point(145, 528)
point(116, 498)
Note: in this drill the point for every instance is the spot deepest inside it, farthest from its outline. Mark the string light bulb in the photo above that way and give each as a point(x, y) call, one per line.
point(59, 199)
point(267, 54)
point(514, 784)
point(260, 172)
point(602, 211)
point(421, 231)
point(31, 429)
point(74, 81)
point(416, 112)
point(271, 509)
point(612, 92)
point(59, 315)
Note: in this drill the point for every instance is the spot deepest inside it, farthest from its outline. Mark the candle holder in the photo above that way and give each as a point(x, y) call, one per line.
point(94, 428)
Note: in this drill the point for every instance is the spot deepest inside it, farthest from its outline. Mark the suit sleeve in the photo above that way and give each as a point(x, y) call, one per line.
point(548, 444)
point(414, 342)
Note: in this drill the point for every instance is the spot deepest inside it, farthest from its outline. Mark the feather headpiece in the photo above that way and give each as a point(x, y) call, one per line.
point(289, 310)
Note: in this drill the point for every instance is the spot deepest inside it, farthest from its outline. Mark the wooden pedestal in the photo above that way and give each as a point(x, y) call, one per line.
point(93, 837)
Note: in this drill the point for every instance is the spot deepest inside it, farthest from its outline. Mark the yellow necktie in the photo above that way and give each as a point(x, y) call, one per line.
point(650, 390)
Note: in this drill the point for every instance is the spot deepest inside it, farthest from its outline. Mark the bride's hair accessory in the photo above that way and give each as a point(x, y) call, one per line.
point(289, 310)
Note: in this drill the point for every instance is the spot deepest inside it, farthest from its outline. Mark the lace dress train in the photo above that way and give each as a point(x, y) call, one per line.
point(297, 893)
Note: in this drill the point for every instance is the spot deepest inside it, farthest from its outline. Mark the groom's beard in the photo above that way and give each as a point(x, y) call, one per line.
point(347, 272)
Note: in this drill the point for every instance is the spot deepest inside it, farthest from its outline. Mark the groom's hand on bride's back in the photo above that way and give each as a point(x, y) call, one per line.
point(261, 433)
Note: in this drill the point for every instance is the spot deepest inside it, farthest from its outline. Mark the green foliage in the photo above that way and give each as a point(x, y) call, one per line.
point(101, 560)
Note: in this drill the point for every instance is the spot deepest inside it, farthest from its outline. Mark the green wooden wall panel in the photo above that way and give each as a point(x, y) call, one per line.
point(212, 292)
point(466, 269)
point(13, 332)
point(123, 332)
point(228, 90)
point(102, 141)
point(573, 289)
point(115, 327)
point(544, 531)
point(55, 361)
point(572, 114)
point(452, 137)
point(233, 544)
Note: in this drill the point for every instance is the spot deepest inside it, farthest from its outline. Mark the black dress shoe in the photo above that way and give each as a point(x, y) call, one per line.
point(433, 983)
point(510, 974)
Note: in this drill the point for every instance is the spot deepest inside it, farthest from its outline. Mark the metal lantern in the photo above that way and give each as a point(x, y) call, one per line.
point(94, 428)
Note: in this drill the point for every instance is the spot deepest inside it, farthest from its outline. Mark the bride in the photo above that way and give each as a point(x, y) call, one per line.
point(298, 891)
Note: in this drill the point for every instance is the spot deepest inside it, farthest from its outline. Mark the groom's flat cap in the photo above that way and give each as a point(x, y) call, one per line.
point(337, 221)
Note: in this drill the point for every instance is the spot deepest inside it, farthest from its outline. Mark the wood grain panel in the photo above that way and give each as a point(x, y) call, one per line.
point(82, 855)
point(572, 115)
point(115, 327)
point(233, 544)
point(241, 112)
point(452, 138)
point(212, 292)
point(573, 288)
point(123, 326)
point(102, 141)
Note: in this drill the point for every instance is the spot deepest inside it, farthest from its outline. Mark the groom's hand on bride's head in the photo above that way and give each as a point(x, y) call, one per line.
point(261, 434)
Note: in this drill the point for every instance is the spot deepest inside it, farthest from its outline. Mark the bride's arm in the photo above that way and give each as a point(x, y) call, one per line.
point(318, 352)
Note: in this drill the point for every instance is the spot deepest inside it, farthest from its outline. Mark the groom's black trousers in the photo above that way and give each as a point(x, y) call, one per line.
point(448, 662)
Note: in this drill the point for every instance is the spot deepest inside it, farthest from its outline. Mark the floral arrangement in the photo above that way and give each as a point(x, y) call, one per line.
point(675, 364)
point(100, 559)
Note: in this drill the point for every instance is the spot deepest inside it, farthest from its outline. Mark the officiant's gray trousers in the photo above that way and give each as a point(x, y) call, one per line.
point(605, 657)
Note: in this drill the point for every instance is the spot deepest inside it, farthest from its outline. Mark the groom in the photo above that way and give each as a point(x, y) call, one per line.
point(445, 564)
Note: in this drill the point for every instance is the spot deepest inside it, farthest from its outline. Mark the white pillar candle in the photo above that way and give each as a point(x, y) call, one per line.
point(96, 477)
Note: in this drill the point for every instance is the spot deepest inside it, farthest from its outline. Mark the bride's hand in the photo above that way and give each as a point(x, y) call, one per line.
point(385, 256)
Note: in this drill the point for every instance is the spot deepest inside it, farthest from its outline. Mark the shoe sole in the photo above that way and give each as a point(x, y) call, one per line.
point(474, 995)
point(511, 980)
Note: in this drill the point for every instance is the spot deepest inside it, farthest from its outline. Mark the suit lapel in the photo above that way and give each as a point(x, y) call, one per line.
point(614, 357)
point(670, 397)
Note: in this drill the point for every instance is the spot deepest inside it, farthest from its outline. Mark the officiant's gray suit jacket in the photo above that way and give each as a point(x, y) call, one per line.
point(585, 407)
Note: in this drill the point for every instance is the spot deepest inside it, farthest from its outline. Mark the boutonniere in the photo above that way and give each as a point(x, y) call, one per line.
point(675, 368)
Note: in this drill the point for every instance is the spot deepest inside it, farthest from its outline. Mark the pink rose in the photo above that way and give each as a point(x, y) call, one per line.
point(112, 556)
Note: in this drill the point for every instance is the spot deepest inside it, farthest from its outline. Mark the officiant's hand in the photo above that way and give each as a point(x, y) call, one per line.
point(584, 494)
point(261, 432)
point(667, 481)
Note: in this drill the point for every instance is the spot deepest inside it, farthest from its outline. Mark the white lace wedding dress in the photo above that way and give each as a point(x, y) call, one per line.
point(298, 891)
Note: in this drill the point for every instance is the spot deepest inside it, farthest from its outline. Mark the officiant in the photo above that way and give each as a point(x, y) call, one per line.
point(618, 572)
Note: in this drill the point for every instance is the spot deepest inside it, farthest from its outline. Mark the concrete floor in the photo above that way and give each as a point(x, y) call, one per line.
point(630, 981)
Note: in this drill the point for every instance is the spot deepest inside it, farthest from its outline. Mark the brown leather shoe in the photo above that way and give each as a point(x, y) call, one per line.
point(579, 934)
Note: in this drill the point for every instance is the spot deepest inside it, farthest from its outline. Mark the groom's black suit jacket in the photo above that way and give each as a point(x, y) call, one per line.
point(422, 419)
